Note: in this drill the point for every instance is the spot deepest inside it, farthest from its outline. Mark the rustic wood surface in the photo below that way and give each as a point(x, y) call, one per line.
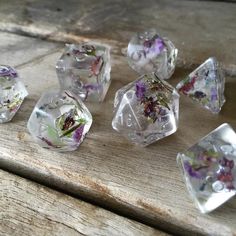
point(17, 51)
point(142, 183)
point(27, 208)
point(199, 29)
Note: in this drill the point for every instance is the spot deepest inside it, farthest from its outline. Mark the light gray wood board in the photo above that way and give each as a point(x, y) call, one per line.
point(27, 208)
point(199, 29)
point(144, 183)
point(16, 50)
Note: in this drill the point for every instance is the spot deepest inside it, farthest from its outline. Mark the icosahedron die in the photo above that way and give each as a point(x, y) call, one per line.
point(146, 110)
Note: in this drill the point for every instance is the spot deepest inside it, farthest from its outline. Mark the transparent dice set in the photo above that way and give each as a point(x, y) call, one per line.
point(60, 120)
point(145, 110)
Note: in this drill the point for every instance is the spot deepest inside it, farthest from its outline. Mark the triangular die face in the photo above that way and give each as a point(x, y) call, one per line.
point(205, 85)
point(128, 112)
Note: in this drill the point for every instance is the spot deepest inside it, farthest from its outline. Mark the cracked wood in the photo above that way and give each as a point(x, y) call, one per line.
point(27, 208)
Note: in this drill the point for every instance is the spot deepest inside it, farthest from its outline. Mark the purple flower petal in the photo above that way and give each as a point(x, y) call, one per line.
point(193, 173)
point(140, 89)
point(154, 45)
point(214, 95)
point(159, 45)
point(78, 133)
point(92, 86)
point(7, 71)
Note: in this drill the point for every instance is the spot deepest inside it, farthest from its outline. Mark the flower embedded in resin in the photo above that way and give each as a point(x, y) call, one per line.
point(209, 168)
point(85, 69)
point(205, 85)
point(149, 52)
point(12, 93)
point(59, 121)
point(146, 110)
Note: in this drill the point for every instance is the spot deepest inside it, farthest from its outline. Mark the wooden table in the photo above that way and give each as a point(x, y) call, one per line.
point(142, 184)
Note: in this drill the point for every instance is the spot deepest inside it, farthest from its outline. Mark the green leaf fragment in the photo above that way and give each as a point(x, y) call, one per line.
point(8, 88)
point(52, 132)
point(81, 121)
point(69, 132)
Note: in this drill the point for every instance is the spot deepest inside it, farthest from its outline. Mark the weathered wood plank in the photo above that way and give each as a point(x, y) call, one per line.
point(198, 28)
point(27, 208)
point(16, 50)
point(144, 183)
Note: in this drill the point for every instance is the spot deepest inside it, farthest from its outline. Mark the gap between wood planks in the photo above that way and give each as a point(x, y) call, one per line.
point(199, 29)
point(117, 47)
point(37, 210)
point(109, 205)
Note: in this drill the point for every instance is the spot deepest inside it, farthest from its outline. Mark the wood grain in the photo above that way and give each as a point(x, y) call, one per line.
point(17, 50)
point(27, 208)
point(199, 29)
point(143, 183)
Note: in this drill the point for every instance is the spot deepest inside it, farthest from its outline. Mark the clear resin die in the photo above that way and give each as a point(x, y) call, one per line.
point(149, 52)
point(59, 121)
point(205, 85)
point(209, 168)
point(12, 93)
point(85, 70)
point(146, 110)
